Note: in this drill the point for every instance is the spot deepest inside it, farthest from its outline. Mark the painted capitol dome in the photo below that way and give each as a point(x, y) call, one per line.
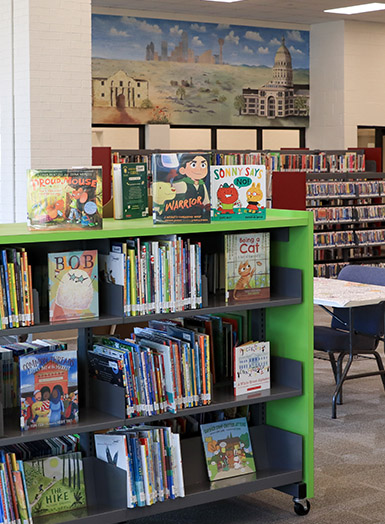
point(282, 69)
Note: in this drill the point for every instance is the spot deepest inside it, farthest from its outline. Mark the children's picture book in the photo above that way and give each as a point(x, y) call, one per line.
point(238, 192)
point(59, 199)
point(130, 190)
point(247, 267)
point(55, 484)
point(251, 367)
point(227, 448)
point(181, 187)
point(48, 389)
point(73, 285)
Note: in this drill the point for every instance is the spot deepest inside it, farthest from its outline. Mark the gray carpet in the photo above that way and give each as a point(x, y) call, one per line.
point(349, 463)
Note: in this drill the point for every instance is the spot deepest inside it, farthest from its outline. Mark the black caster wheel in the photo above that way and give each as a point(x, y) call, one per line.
point(301, 507)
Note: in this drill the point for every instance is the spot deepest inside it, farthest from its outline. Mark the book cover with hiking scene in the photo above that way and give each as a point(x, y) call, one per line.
point(247, 267)
point(55, 484)
point(238, 192)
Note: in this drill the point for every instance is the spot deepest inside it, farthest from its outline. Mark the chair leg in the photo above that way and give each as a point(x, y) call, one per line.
point(340, 382)
point(380, 366)
point(340, 360)
point(333, 365)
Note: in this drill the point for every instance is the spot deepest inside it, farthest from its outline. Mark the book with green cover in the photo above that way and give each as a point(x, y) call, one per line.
point(55, 484)
point(130, 190)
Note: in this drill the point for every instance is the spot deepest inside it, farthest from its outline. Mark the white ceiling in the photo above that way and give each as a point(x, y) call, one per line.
point(289, 11)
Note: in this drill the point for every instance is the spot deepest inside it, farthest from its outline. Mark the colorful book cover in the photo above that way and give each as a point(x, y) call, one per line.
point(48, 389)
point(59, 199)
point(73, 285)
point(55, 484)
point(251, 367)
point(130, 190)
point(181, 187)
point(227, 448)
point(247, 267)
point(238, 192)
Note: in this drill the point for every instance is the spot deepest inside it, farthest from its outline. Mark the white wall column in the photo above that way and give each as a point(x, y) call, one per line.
point(50, 75)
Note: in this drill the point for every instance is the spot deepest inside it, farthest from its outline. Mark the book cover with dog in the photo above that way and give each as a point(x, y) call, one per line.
point(247, 267)
point(238, 192)
point(181, 187)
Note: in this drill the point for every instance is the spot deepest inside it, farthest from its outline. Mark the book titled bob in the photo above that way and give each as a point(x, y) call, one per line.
point(73, 285)
point(227, 448)
point(181, 187)
point(238, 192)
point(59, 199)
point(247, 267)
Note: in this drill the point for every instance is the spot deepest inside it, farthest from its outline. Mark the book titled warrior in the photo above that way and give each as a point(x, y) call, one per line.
point(247, 267)
point(73, 285)
point(48, 389)
point(181, 187)
point(130, 190)
point(227, 448)
point(59, 199)
point(251, 367)
point(55, 484)
point(238, 192)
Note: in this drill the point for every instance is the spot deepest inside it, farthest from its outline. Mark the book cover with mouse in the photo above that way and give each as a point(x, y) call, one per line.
point(73, 285)
point(181, 187)
point(247, 266)
point(238, 192)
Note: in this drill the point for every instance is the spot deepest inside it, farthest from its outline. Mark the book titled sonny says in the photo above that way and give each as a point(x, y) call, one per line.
point(59, 199)
point(48, 389)
point(238, 192)
point(227, 448)
point(247, 267)
point(181, 187)
point(55, 484)
point(73, 285)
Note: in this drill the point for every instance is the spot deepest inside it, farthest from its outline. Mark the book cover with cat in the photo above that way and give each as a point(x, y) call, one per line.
point(247, 267)
point(73, 285)
point(181, 187)
point(238, 192)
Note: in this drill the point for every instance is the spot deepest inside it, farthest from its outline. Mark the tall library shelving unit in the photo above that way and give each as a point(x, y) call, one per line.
point(281, 418)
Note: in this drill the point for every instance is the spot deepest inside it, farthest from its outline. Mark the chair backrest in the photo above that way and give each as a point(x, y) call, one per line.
point(367, 319)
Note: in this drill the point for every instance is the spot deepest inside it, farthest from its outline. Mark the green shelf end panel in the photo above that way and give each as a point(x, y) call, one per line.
point(290, 332)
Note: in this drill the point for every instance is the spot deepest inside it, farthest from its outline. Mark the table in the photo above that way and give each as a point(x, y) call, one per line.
point(346, 294)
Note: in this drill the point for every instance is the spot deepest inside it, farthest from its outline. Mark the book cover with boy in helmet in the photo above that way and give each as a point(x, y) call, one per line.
point(238, 192)
point(60, 199)
point(73, 285)
point(181, 187)
point(247, 267)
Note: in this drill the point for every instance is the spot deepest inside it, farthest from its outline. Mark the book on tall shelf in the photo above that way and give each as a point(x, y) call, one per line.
point(227, 448)
point(181, 187)
point(60, 199)
point(48, 385)
point(130, 190)
point(247, 267)
point(238, 192)
point(73, 285)
point(55, 484)
point(251, 367)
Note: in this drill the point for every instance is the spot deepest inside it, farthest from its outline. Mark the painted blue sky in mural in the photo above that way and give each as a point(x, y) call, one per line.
point(126, 38)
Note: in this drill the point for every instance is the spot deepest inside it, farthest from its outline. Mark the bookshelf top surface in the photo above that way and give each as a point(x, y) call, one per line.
point(18, 233)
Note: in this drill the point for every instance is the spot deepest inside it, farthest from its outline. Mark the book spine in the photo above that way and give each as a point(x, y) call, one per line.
point(31, 295)
point(117, 191)
point(7, 288)
point(3, 301)
point(21, 469)
point(4, 496)
point(131, 254)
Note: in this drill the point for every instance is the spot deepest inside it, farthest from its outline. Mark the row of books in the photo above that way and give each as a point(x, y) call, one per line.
point(158, 276)
point(163, 368)
point(343, 253)
point(152, 459)
point(348, 238)
point(16, 295)
point(329, 270)
point(344, 189)
point(49, 447)
point(324, 215)
point(15, 507)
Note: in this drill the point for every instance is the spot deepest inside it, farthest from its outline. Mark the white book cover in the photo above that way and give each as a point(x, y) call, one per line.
point(251, 367)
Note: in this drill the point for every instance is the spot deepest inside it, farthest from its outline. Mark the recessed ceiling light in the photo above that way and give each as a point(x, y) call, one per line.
point(356, 9)
point(224, 1)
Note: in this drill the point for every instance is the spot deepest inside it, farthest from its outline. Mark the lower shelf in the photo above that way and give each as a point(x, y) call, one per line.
point(278, 460)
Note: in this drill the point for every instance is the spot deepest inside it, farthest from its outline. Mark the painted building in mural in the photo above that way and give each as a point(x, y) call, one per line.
point(279, 98)
point(119, 90)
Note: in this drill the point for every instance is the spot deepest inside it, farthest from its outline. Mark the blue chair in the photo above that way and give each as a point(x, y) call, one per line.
point(363, 339)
